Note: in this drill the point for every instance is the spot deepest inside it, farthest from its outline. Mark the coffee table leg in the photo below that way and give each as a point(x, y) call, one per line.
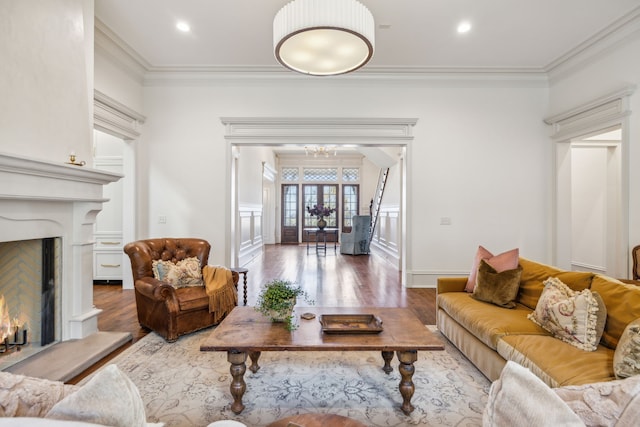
point(387, 356)
point(254, 356)
point(238, 386)
point(407, 387)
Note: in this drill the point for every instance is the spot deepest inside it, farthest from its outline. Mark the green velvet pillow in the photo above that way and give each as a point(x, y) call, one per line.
point(497, 288)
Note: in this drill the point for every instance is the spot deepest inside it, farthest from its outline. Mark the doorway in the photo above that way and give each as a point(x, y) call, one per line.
point(596, 202)
point(300, 131)
point(591, 200)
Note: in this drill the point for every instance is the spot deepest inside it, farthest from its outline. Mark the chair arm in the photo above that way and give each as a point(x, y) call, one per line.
point(451, 284)
point(155, 289)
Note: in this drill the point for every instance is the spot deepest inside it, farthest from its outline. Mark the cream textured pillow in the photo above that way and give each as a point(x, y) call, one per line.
point(569, 315)
point(626, 359)
point(501, 262)
point(519, 398)
point(186, 272)
point(109, 398)
point(497, 288)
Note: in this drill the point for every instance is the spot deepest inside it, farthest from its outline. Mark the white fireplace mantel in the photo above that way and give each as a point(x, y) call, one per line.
point(40, 199)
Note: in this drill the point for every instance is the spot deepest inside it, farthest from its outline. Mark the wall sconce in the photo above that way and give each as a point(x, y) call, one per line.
point(72, 160)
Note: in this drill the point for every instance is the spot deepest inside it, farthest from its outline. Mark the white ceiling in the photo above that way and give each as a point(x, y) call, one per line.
point(526, 35)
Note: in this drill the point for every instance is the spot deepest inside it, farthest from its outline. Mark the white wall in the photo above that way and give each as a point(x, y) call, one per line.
point(46, 78)
point(480, 157)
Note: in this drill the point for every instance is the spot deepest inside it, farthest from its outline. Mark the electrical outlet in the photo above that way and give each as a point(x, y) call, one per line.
point(162, 219)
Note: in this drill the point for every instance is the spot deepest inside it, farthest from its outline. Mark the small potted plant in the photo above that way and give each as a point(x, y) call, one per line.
point(277, 299)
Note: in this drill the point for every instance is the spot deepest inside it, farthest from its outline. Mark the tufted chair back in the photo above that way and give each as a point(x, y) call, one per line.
point(143, 252)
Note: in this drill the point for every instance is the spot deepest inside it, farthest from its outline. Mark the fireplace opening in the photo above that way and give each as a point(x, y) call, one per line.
point(29, 281)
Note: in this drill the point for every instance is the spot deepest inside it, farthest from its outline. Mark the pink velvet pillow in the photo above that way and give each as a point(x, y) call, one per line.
point(501, 262)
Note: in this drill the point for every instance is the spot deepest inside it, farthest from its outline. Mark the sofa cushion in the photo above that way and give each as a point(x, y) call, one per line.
point(501, 262)
point(609, 403)
point(534, 274)
point(623, 306)
point(558, 363)
point(519, 398)
point(109, 398)
point(569, 315)
point(626, 359)
point(499, 288)
point(487, 321)
point(22, 396)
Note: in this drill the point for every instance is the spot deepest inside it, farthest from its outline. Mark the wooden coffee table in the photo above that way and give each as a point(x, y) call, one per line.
point(245, 332)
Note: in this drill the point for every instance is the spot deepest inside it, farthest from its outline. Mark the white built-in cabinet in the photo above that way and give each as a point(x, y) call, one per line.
point(107, 252)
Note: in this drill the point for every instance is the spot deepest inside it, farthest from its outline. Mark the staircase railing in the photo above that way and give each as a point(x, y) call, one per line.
point(376, 201)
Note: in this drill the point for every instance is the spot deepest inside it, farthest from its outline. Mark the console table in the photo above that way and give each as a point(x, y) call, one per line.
point(321, 238)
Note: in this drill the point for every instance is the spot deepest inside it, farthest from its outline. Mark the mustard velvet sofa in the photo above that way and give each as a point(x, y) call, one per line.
point(490, 335)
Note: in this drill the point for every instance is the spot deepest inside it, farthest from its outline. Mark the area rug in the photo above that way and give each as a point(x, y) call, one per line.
point(182, 386)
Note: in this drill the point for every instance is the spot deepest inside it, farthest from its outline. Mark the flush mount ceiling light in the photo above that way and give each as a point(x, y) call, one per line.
point(323, 37)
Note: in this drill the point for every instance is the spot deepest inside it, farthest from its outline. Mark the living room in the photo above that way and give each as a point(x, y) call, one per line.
point(487, 150)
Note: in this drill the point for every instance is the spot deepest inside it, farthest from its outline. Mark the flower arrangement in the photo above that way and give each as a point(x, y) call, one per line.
point(320, 211)
point(277, 299)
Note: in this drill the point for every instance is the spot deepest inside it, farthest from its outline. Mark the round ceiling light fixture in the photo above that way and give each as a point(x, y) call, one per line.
point(323, 37)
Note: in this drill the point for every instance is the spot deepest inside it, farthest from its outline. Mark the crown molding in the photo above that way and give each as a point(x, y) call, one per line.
point(596, 46)
point(111, 45)
point(204, 75)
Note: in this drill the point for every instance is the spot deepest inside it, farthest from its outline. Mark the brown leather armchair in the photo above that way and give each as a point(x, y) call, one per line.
point(168, 311)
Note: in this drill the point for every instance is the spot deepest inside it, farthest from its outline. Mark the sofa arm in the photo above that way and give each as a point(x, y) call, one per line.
point(451, 284)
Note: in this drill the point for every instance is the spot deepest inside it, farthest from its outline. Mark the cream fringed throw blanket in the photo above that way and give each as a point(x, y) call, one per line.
point(218, 282)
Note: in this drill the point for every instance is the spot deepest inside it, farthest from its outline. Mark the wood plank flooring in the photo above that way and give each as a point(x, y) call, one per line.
point(331, 280)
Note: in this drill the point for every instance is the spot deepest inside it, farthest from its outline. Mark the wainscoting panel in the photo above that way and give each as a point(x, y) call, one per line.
point(250, 233)
point(386, 238)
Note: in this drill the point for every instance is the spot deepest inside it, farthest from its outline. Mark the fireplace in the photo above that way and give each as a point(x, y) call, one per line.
point(29, 282)
point(49, 200)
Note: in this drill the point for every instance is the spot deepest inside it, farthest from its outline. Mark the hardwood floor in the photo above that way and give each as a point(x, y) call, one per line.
point(332, 280)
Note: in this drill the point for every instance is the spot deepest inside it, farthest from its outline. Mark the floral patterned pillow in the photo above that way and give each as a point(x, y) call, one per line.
point(186, 272)
point(626, 360)
point(576, 318)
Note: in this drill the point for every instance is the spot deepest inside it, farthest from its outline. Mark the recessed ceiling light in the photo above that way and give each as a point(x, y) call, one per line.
point(183, 26)
point(464, 27)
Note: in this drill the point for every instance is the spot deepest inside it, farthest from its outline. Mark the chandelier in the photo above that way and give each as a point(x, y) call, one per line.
point(319, 150)
point(323, 37)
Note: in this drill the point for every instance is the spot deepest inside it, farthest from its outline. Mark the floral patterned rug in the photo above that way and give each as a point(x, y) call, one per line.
point(182, 386)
